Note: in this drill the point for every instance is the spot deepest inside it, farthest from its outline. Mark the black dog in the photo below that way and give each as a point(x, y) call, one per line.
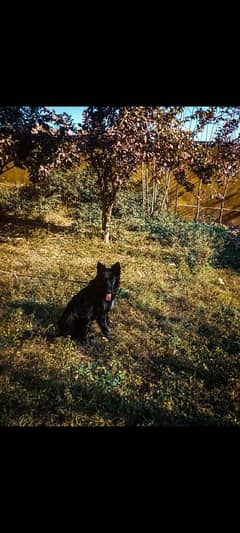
point(92, 303)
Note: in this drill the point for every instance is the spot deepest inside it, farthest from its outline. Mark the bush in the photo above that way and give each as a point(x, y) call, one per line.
point(9, 198)
point(199, 243)
point(74, 189)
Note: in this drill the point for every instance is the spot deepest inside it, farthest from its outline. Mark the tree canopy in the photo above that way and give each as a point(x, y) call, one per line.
point(35, 138)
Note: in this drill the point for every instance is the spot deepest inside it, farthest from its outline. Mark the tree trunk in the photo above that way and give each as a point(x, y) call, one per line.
point(165, 197)
point(153, 196)
point(143, 187)
point(176, 203)
point(147, 188)
point(144, 177)
point(106, 221)
point(154, 185)
point(198, 200)
point(223, 199)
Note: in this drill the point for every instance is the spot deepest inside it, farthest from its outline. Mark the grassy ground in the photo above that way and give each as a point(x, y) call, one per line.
point(174, 358)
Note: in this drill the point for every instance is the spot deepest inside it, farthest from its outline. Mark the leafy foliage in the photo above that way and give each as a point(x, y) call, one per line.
point(32, 137)
point(116, 140)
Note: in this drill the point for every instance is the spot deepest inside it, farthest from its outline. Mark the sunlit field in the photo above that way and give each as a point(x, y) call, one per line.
point(174, 359)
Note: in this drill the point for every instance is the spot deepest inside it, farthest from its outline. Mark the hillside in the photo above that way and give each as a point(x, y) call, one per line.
point(209, 193)
point(209, 200)
point(14, 175)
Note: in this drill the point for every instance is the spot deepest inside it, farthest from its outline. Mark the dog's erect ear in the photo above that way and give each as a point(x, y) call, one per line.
point(116, 268)
point(100, 268)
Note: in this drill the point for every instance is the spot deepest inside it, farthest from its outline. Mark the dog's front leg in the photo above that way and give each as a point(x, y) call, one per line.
point(102, 322)
point(84, 327)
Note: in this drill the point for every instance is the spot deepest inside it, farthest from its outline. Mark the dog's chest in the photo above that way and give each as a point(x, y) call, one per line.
point(107, 306)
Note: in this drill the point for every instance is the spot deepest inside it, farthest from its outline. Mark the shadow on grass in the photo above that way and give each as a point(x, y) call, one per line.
point(221, 340)
point(44, 402)
point(45, 317)
point(229, 257)
point(66, 401)
point(42, 312)
point(225, 338)
point(212, 376)
point(12, 226)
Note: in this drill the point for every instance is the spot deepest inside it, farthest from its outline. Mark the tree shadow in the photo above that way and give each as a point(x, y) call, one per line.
point(45, 318)
point(12, 226)
point(44, 400)
point(215, 372)
point(46, 403)
point(212, 377)
point(42, 312)
point(229, 257)
point(218, 338)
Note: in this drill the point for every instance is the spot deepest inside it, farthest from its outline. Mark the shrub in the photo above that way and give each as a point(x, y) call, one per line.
point(199, 243)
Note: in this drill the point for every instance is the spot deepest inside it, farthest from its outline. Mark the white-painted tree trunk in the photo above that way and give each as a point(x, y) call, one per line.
point(106, 222)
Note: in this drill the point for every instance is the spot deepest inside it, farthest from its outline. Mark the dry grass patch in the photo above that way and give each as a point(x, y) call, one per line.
point(174, 357)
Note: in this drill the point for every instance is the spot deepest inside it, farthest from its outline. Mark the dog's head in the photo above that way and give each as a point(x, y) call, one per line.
point(108, 280)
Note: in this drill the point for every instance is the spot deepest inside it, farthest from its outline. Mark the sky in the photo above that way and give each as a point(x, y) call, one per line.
point(76, 113)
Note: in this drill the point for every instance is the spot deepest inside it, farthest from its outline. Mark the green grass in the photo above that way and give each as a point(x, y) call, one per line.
point(174, 358)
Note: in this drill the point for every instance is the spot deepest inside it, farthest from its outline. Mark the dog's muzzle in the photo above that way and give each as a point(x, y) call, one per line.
point(108, 297)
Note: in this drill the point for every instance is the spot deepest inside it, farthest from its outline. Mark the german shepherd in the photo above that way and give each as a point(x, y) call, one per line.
point(92, 303)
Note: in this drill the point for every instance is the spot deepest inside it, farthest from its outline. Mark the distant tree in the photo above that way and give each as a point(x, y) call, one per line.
point(35, 138)
point(216, 156)
point(227, 157)
point(171, 148)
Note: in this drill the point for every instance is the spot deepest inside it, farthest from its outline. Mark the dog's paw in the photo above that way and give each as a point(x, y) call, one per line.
point(106, 338)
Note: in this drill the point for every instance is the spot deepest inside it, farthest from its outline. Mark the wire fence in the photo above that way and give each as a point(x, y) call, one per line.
point(15, 276)
point(199, 209)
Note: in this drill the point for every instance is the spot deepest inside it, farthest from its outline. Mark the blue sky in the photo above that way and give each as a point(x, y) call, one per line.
point(75, 112)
